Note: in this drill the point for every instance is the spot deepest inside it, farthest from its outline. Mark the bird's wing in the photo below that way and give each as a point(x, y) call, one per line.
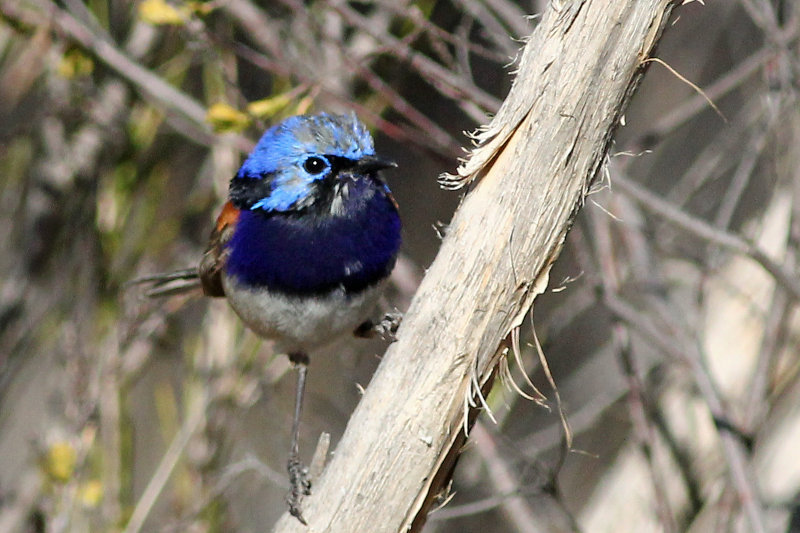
point(216, 255)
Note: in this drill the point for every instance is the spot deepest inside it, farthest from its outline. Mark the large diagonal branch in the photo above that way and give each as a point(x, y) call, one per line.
point(531, 173)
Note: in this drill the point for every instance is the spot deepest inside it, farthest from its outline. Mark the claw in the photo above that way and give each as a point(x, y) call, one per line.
point(300, 487)
point(386, 328)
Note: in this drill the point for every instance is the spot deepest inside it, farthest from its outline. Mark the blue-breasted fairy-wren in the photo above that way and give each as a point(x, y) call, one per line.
point(304, 245)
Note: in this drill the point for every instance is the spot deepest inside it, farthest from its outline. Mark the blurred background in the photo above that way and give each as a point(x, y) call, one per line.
point(671, 325)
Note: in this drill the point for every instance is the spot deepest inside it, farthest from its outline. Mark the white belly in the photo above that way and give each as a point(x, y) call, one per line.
point(300, 324)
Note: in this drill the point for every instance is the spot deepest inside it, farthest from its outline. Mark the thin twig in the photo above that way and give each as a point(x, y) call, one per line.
point(165, 467)
point(189, 114)
point(445, 81)
point(704, 230)
point(522, 515)
point(688, 353)
point(638, 399)
point(751, 154)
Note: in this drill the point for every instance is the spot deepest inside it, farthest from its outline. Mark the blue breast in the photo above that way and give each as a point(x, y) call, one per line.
point(308, 254)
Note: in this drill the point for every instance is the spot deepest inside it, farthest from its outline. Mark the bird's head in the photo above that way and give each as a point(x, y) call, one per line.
point(304, 162)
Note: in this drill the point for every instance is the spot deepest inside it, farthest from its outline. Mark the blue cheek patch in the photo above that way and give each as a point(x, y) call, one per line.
point(287, 191)
point(282, 198)
point(271, 203)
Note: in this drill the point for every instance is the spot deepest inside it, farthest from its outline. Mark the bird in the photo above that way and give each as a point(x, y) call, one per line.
point(303, 247)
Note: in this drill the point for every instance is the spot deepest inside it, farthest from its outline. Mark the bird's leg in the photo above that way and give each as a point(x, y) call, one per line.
point(386, 328)
point(298, 472)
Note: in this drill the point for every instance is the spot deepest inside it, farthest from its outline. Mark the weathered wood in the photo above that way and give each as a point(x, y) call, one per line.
point(531, 173)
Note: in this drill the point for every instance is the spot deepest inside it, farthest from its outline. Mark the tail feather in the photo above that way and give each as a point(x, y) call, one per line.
point(169, 283)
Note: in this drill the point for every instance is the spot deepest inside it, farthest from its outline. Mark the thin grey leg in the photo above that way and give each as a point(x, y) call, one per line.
point(298, 472)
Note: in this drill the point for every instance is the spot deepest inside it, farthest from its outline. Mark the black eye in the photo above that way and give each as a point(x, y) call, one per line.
point(315, 165)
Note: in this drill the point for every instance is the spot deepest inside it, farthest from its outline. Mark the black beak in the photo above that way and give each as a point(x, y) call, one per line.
point(371, 163)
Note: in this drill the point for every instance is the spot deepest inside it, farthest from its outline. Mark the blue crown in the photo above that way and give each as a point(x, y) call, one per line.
point(293, 139)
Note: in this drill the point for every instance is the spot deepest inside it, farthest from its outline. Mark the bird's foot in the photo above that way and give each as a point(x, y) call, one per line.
point(386, 327)
point(300, 487)
point(389, 324)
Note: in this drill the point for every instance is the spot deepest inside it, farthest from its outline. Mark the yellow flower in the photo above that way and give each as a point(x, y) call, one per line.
point(91, 493)
point(268, 107)
point(225, 118)
point(75, 63)
point(158, 12)
point(59, 462)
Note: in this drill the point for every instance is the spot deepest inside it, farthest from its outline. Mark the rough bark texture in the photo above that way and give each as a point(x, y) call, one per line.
point(531, 173)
